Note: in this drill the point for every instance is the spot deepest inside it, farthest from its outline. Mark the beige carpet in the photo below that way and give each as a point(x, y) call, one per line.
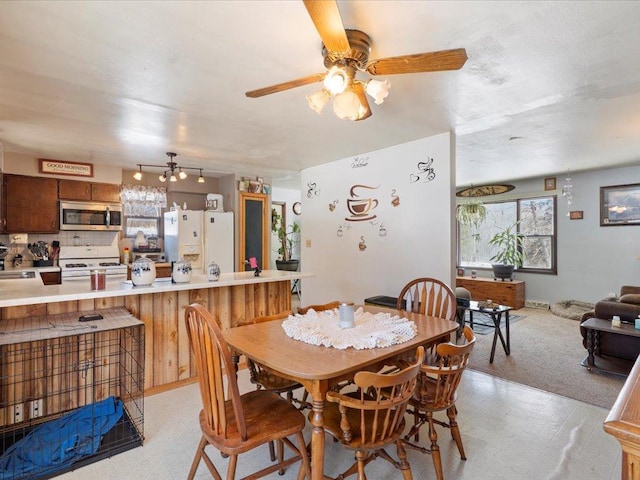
point(546, 351)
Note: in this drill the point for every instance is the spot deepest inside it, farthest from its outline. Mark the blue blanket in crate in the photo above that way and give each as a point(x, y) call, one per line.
point(58, 443)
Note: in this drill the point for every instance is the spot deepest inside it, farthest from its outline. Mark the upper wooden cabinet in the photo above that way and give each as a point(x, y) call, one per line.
point(31, 204)
point(82, 191)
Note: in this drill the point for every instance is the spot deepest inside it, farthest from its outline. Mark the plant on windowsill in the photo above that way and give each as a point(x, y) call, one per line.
point(509, 243)
point(288, 237)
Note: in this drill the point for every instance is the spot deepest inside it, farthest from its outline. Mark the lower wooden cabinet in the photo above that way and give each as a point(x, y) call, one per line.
point(505, 293)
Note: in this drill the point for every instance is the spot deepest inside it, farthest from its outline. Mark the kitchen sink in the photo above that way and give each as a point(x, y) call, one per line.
point(17, 275)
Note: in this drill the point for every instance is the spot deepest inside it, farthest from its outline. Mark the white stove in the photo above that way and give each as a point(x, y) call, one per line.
point(77, 262)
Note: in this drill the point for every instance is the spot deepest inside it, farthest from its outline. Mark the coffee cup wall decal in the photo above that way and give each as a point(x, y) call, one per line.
point(359, 207)
point(425, 173)
point(395, 199)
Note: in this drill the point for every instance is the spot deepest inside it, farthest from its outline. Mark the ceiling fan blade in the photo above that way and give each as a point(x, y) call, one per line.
point(419, 62)
point(280, 87)
point(326, 18)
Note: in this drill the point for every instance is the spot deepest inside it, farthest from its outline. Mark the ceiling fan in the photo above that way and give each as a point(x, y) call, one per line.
point(347, 51)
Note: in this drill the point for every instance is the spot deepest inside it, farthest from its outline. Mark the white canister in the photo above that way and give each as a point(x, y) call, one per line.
point(213, 272)
point(181, 272)
point(346, 318)
point(143, 272)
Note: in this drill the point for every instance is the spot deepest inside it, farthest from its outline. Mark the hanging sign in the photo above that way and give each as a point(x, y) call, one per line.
point(60, 167)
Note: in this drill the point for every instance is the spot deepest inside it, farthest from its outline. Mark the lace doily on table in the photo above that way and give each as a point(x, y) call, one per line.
point(372, 330)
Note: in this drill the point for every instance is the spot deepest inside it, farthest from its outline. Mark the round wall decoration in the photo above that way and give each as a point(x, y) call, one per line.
point(485, 190)
point(297, 208)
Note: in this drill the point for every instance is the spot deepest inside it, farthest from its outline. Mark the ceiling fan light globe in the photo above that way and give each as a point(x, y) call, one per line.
point(137, 175)
point(162, 178)
point(378, 90)
point(318, 100)
point(173, 178)
point(182, 174)
point(346, 105)
point(200, 179)
point(336, 80)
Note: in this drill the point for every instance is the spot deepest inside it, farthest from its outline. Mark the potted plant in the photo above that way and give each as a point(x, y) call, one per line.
point(509, 243)
point(289, 237)
point(471, 213)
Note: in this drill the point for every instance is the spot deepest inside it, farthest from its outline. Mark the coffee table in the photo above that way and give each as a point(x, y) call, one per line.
point(495, 313)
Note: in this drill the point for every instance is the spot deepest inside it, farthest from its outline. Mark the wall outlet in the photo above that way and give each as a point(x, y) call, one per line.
point(18, 413)
point(36, 408)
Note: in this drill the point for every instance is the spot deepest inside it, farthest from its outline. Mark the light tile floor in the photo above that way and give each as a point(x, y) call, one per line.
point(510, 431)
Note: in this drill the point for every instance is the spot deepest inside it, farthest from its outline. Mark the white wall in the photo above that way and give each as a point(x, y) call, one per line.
point(419, 237)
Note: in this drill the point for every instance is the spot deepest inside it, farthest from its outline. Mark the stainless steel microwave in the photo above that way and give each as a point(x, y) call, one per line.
point(97, 216)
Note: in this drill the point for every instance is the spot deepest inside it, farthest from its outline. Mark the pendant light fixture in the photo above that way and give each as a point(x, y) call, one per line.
point(170, 169)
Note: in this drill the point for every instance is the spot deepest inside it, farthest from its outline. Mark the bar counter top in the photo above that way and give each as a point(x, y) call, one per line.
point(14, 293)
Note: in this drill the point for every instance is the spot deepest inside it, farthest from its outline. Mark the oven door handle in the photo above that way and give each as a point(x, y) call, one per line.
point(107, 217)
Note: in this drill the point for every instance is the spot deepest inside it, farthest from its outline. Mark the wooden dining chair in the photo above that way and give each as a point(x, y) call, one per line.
point(318, 308)
point(263, 378)
point(234, 423)
point(435, 392)
point(371, 418)
point(428, 296)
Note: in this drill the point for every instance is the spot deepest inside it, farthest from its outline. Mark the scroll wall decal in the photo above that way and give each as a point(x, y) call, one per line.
point(332, 205)
point(359, 162)
point(362, 245)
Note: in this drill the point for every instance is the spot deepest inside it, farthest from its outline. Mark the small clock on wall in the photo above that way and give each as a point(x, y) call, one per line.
point(297, 208)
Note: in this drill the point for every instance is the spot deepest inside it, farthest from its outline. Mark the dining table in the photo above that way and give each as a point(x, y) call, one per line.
point(319, 368)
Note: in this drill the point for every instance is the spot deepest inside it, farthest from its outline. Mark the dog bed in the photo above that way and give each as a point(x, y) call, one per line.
point(573, 309)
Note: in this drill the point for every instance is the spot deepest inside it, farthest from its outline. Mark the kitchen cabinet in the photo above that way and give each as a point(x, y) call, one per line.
point(88, 191)
point(31, 204)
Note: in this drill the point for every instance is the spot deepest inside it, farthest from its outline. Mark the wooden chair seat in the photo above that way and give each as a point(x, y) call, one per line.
point(268, 417)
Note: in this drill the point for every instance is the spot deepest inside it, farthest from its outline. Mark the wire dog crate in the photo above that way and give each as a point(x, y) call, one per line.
point(71, 392)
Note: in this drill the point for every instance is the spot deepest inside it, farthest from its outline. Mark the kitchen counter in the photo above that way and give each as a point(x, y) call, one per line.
point(17, 293)
point(234, 299)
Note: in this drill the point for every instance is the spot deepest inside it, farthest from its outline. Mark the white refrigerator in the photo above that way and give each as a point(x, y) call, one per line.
point(217, 232)
point(183, 236)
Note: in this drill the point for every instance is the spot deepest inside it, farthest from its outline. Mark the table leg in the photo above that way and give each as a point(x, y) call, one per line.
point(317, 436)
point(590, 348)
point(471, 319)
point(506, 320)
point(497, 317)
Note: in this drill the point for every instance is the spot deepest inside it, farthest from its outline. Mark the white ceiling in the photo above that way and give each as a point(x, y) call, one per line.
point(548, 86)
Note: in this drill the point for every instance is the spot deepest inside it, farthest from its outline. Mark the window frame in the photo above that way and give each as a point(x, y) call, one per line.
point(553, 270)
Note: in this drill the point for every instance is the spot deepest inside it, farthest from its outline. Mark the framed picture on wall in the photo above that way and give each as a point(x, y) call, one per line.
point(620, 205)
point(550, 183)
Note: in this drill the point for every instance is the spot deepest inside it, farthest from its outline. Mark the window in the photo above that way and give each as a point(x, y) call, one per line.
point(537, 222)
point(143, 209)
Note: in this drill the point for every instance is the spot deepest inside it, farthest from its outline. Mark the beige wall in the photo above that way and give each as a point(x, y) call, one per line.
point(26, 165)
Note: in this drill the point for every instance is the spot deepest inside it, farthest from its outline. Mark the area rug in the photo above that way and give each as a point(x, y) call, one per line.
point(546, 351)
point(572, 309)
point(483, 325)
